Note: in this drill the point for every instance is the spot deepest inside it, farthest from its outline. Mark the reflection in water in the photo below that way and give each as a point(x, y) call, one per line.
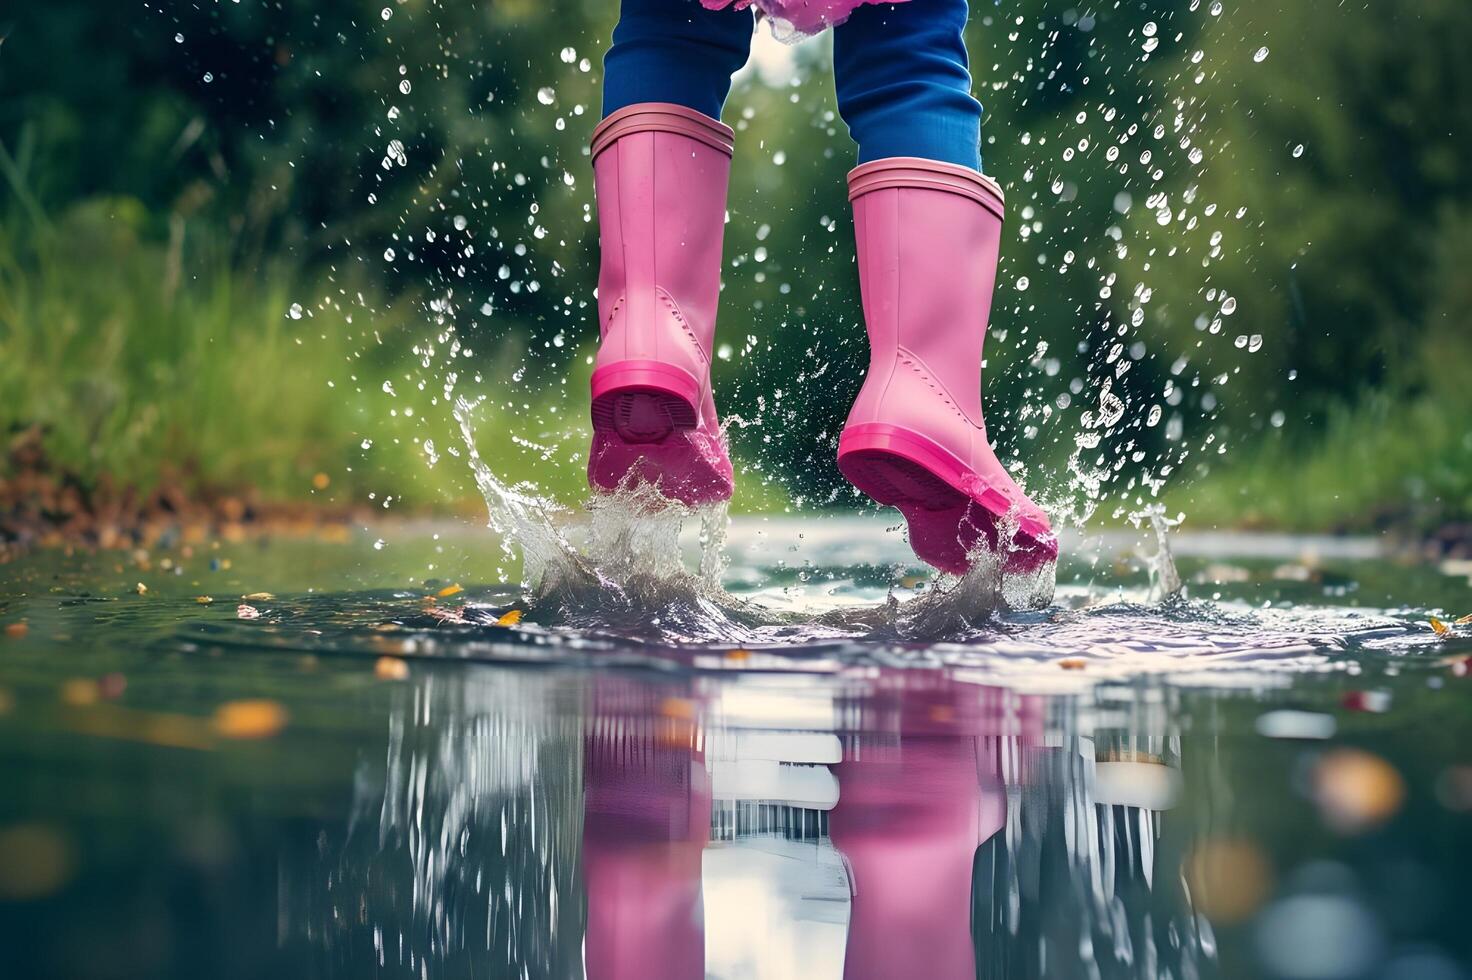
point(646, 820)
point(883, 824)
point(1077, 885)
point(460, 854)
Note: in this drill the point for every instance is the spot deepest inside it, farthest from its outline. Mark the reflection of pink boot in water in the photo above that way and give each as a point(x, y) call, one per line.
point(912, 811)
point(646, 820)
point(660, 172)
point(909, 823)
point(928, 235)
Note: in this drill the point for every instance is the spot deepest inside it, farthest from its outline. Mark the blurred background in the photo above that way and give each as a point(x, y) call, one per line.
point(252, 255)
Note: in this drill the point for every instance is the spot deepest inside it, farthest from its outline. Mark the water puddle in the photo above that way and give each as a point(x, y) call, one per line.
point(690, 746)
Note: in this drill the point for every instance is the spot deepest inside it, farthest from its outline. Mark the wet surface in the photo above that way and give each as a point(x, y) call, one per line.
point(359, 762)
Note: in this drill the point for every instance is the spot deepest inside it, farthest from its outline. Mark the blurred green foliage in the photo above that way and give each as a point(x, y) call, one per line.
point(1262, 259)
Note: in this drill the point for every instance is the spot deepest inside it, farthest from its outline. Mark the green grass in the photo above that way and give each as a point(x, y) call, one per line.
point(1389, 461)
point(149, 363)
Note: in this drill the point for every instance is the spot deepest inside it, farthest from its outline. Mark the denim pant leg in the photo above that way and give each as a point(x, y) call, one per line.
point(903, 85)
point(674, 51)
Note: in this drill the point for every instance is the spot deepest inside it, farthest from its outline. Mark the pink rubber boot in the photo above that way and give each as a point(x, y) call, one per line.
point(660, 175)
point(928, 235)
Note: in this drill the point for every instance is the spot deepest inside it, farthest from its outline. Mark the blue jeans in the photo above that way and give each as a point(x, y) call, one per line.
point(900, 70)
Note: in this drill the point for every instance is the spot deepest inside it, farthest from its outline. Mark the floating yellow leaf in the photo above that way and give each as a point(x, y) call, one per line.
point(141, 589)
point(1073, 663)
point(738, 655)
point(1439, 628)
point(510, 618)
point(390, 669)
point(204, 600)
point(16, 630)
point(251, 718)
point(321, 481)
point(448, 591)
point(258, 597)
point(1464, 620)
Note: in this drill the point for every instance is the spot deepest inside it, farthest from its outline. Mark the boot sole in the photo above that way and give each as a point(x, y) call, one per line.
point(905, 470)
point(645, 416)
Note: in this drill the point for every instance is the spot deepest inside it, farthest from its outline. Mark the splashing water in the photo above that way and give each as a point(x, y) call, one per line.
point(1165, 581)
point(625, 570)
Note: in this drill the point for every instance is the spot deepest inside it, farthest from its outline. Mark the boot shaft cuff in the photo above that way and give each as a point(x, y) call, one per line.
point(926, 175)
point(663, 117)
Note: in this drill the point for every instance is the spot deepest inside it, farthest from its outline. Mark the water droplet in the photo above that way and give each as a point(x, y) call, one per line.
point(388, 255)
point(1022, 283)
point(1298, 150)
point(209, 76)
point(569, 55)
point(178, 38)
point(387, 13)
point(295, 312)
point(459, 222)
point(1254, 343)
point(1229, 306)
point(546, 94)
point(1260, 55)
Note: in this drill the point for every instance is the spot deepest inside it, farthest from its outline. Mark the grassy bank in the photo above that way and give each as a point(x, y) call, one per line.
point(1400, 462)
point(147, 365)
point(151, 364)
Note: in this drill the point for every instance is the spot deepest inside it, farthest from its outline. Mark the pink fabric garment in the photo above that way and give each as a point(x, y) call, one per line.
point(801, 17)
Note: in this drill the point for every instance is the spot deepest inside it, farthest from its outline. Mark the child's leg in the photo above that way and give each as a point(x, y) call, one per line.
point(928, 227)
point(903, 85)
point(661, 163)
point(674, 51)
